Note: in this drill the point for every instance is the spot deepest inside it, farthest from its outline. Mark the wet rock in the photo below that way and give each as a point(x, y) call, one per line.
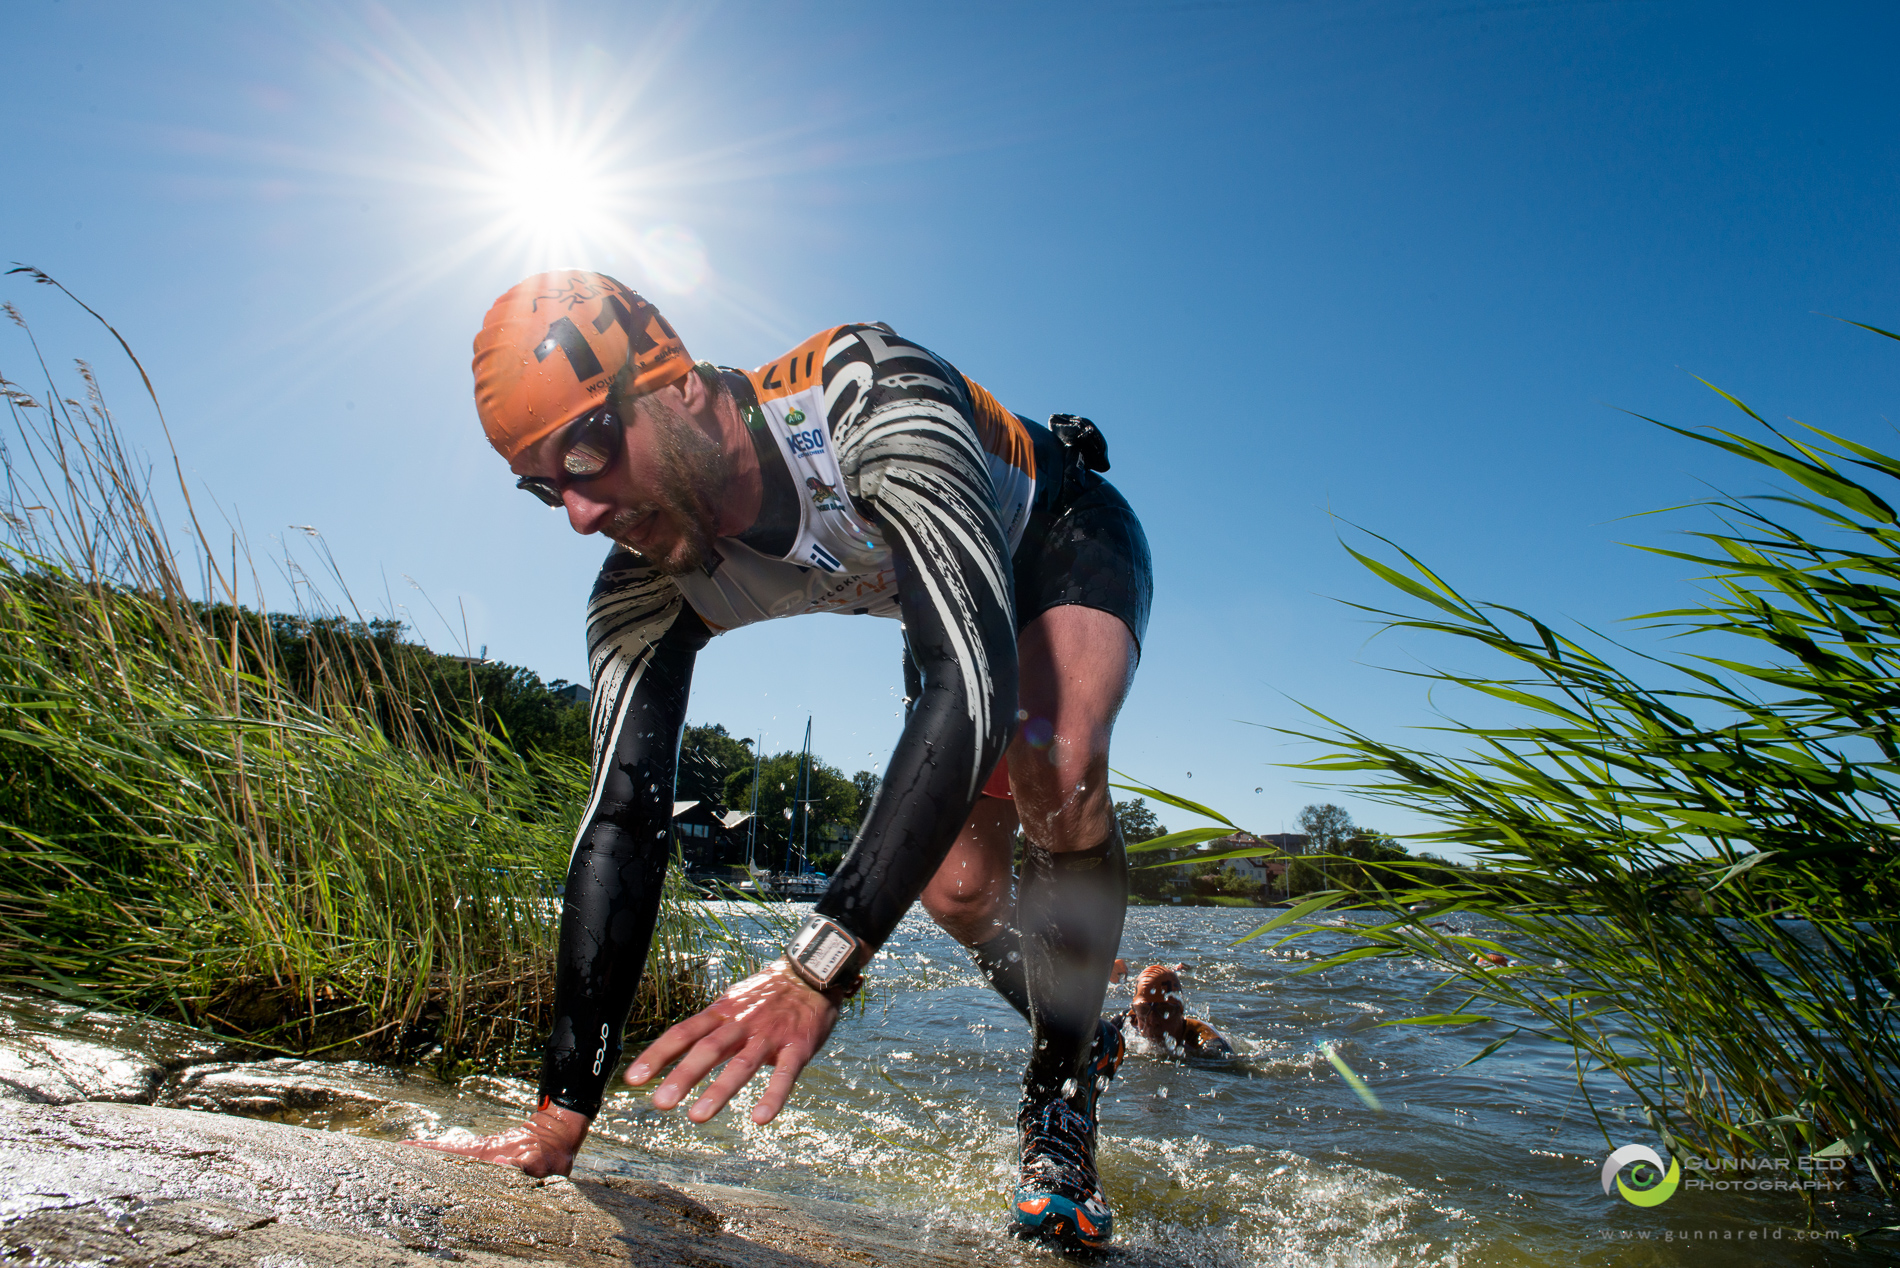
point(334, 1095)
point(121, 1143)
point(138, 1185)
point(54, 1054)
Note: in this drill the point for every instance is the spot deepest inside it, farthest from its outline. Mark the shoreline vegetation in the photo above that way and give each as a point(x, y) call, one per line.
point(298, 831)
point(303, 832)
point(1686, 871)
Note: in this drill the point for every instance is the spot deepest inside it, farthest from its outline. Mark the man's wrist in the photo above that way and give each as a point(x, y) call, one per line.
point(827, 957)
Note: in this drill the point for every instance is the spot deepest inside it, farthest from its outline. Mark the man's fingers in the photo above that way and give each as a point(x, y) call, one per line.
point(695, 1065)
point(739, 1070)
point(791, 1062)
point(667, 1049)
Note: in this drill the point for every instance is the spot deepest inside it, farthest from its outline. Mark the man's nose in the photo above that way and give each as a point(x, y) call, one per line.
point(585, 514)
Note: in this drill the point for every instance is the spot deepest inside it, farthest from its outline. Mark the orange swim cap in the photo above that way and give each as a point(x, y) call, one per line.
point(1155, 984)
point(551, 346)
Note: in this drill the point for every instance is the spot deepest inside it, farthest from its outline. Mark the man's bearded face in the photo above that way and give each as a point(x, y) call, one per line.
point(674, 474)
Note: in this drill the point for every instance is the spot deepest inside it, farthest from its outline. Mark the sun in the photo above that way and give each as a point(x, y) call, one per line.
point(554, 198)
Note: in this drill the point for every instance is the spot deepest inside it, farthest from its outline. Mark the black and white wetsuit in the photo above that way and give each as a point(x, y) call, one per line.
point(893, 486)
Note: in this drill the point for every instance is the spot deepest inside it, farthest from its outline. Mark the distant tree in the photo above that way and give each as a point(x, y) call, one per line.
point(1214, 877)
point(1139, 824)
point(1327, 827)
point(709, 758)
point(1303, 876)
point(1369, 845)
point(1138, 821)
point(332, 658)
point(826, 862)
point(834, 802)
point(866, 782)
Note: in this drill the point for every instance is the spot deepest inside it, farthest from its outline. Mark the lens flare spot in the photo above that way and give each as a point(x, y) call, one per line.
point(673, 258)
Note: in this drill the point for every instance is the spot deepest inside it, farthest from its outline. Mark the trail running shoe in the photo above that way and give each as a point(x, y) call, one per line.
point(1058, 1196)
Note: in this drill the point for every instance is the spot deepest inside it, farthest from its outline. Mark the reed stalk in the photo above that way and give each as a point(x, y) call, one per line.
point(1691, 862)
point(335, 864)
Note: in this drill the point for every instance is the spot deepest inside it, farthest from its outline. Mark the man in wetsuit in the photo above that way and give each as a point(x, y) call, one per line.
point(857, 473)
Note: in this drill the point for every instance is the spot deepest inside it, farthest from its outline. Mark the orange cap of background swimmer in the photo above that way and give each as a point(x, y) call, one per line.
point(1155, 983)
point(551, 347)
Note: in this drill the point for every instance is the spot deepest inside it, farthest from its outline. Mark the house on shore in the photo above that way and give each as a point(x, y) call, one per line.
point(1268, 871)
point(710, 837)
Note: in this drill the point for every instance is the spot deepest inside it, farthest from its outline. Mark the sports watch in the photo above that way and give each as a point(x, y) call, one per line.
point(825, 954)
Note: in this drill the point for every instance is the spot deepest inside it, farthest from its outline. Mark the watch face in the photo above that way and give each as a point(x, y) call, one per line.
point(822, 949)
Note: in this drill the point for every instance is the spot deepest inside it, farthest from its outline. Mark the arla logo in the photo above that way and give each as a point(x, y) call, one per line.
point(1650, 1185)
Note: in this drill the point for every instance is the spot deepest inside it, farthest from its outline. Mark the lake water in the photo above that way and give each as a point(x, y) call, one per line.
point(1267, 1159)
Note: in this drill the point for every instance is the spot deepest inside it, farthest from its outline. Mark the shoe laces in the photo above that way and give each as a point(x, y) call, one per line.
point(1058, 1145)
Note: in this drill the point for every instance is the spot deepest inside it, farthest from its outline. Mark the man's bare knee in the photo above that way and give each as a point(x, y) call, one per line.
point(1076, 666)
point(970, 917)
point(1067, 807)
point(969, 894)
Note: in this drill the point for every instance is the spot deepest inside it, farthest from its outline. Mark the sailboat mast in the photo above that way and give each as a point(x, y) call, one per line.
point(804, 845)
point(752, 824)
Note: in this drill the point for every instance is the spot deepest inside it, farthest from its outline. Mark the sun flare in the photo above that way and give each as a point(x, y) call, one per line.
point(553, 198)
point(550, 189)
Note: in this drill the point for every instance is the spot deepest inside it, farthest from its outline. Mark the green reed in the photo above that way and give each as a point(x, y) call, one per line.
point(1696, 873)
point(182, 831)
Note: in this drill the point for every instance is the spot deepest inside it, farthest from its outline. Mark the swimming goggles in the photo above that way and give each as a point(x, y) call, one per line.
point(593, 444)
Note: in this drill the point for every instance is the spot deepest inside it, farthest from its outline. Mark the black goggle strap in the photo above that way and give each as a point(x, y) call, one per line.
point(543, 489)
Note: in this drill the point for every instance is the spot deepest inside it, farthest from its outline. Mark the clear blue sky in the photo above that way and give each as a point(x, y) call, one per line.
point(1393, 263)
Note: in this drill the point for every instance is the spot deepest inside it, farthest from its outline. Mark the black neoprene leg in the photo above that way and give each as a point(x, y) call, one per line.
point(1001, 961)
point(1069, 908)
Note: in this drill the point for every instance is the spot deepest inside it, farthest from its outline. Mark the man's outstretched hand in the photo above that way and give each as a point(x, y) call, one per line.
point(772, 1018)
point(545, 1145)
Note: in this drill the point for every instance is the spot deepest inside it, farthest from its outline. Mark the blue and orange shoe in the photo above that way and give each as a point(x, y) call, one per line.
point(1059, 1196)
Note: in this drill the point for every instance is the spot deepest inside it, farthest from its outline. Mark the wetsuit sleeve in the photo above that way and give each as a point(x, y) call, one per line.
point(914, 465)
point(642, 640)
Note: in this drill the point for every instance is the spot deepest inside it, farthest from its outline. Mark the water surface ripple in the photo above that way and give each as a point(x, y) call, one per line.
point(1265, 1159)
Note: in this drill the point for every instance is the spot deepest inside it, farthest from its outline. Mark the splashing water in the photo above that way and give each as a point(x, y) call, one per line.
point(1275, 1158)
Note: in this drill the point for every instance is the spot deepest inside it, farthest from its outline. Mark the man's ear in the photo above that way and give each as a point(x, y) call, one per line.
point(695, 393)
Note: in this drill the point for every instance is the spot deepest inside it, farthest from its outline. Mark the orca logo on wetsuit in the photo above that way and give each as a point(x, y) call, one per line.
point(602, 1054)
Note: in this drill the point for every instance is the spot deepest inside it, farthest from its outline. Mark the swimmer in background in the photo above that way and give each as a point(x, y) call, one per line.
point(1159, 1015)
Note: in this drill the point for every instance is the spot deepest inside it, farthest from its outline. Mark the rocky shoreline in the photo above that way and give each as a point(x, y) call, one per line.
point(130, 1142)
